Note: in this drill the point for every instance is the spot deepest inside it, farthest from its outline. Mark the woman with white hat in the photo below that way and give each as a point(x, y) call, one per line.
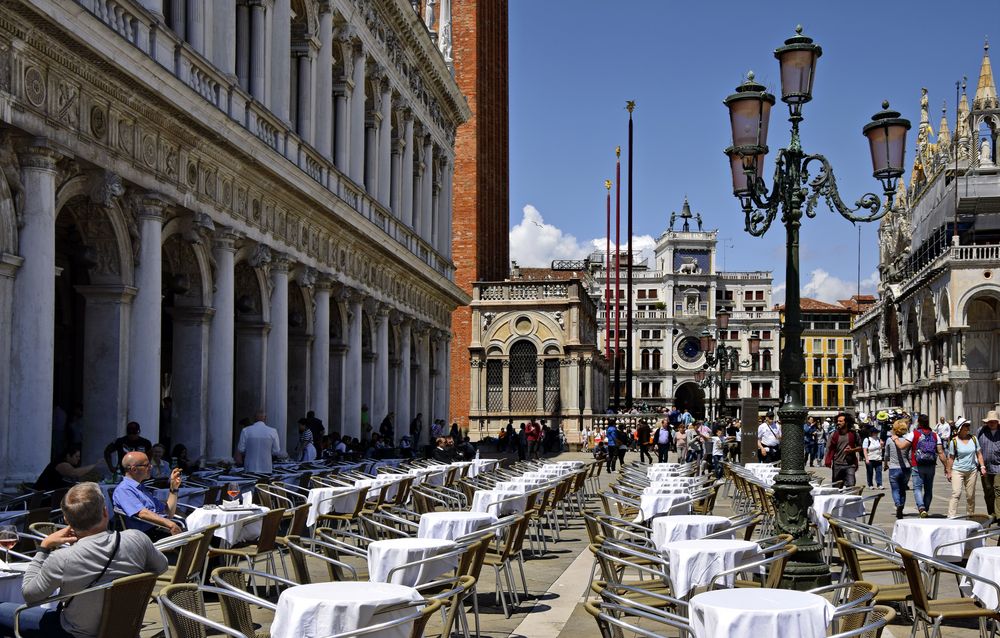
point(989, 443)
point(965, 460)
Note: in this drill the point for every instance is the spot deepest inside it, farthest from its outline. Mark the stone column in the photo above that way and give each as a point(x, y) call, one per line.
point(403, 414)
point(352, 371)
point(380, 387)
point(342, 124)
point(144, 347)
point(357, 135)
point(277, 350)
point(424, 381)
point(320, 383)
point(220, 350)
point(324, 83)
point(280, 60)
point(539, 384)
point(444, 210)
point(440, 378)
point(505, 379)
point(189, 385)
point(178, 19)
point(224, 36)
point(304, 106)
point(258, 49)
point(385, 143)
point(588, 387)
point(32, 327)
point(105, 360)
point(242, 43)
point(406, 197)
point(371, 153)
point(196, 25)
point(572, 402)
point(446, 391)
point(9, 263)
point(396, 179)
point(427, 191)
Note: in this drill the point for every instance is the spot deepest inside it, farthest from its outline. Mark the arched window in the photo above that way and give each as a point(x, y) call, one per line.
point(644, 360)
point(767, 360)
point(523, 376)
point(656, 360)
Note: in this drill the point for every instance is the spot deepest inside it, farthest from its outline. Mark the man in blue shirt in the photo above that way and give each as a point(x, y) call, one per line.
point(138, 502)
point(612, 437)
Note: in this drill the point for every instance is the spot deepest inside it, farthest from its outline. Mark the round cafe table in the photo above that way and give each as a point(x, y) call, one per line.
point(325, 609)
point(232, 531)
point(386, 555)
point(11, 577)
point(452, 525)
point(666, 469)
point(775, 613)
point(924, 535)
point(985, 562)
point(840, 505)
point(652, 504)
point(324, 500)
point(498, 502)
point(667, 529)
point(696, 563)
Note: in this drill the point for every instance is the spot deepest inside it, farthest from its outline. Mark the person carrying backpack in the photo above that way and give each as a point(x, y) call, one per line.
point(925, 450)
point(842, 453)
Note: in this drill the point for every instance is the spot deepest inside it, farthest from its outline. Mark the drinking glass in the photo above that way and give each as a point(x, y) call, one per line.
point(8, 539)
point(233, 491)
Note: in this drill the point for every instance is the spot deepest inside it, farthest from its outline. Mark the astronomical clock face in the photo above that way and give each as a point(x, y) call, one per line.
point(689, 349)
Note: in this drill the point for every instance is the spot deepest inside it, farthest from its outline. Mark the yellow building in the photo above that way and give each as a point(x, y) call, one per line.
point(829, 357)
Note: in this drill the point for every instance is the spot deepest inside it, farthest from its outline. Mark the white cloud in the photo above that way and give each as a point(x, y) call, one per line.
point(534, 243)
point(829, 288)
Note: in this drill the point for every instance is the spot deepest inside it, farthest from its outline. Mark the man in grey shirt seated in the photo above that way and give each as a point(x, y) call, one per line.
point(72, 560)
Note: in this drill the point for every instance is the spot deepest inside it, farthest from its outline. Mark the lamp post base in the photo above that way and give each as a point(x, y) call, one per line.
point(793, 498)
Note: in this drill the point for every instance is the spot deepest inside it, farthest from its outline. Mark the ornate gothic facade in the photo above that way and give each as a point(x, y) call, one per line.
point(232, 203)
point(931, 342)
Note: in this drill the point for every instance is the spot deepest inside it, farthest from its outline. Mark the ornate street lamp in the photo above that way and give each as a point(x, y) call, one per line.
point(721, 360)
point(795, 194)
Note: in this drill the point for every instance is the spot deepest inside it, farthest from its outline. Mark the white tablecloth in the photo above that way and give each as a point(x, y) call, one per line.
point(452, 525)
point(232, 534)
point(676, 481)
point(482, 465)
point(324, 609)
point(839, 505)
point(434, 475)
point(384, 556)
point(513, 487)
point(985, 562)
point(377, 483)
point(10, 584)
point(775, 613)
point(653, 504)
point(486, 502)
point(666, 469)
point(667, 529)
point(324, 500)
point(663, 488)
point(923, 535)
point(696, 563)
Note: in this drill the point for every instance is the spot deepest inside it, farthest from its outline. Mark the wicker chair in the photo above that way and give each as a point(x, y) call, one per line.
point(122, 609)
point(419, 620)
point(182, 608)
point(236, 606)
point(264, 548)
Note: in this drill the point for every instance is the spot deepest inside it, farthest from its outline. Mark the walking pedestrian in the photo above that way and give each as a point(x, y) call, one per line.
point(612, 436)
point(989, 443)
point(925, 451)
point(663, 441)
point(769, 440)
point(965, 460)
point(680, 442)
point(899, 465)
point(842, 454)
point(873, 458)
point(645, 439)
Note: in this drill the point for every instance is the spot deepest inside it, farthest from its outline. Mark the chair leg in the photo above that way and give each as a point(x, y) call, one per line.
point(520, 567)
point(510, 583)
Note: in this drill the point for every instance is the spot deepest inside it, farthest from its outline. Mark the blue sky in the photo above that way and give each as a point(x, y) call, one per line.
point(574, 64)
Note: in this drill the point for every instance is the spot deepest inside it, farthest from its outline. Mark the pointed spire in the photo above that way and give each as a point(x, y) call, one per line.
point(900, 203)
point(944, 134)
point(986, 91)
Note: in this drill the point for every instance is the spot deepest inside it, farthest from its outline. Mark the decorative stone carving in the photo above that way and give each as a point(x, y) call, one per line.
point(106, 188)
point(34, 86)
point(260, 257)
point(68, 103)
point(11, 170)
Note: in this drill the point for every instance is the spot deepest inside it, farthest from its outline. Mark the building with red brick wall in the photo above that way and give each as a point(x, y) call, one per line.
point(480, 248)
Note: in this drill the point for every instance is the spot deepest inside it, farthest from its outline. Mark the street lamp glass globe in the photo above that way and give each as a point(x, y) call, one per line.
point(749, 114)
point(754, 342)
point(886, 135)
point(722, 318)
point(706, 340)
point(798, 69)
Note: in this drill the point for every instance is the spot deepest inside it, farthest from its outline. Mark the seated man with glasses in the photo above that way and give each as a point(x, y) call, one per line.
point(80, 556)
point(138, 501)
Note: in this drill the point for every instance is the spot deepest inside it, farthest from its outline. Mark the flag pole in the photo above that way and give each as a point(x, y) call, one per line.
point(629, 106)
point(607, 275)
point(618, 263)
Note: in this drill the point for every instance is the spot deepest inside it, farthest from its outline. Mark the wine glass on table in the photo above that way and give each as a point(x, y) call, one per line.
point(8, 539)
point(233, 491)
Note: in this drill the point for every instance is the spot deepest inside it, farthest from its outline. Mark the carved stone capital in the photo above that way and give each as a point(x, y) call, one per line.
point(225, 238)
point(279, 262)
point(151, 205)
point(38, 155)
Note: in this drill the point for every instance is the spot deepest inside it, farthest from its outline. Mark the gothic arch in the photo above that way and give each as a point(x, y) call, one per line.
point(962, 307)
point(199, 260)
point(103, 226)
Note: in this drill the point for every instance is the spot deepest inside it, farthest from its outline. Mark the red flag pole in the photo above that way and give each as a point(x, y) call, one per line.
point(607, 276)
point(628, 304)
point(618, 231)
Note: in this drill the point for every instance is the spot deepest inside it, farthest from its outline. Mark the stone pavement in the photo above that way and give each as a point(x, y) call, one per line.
point(557, 581)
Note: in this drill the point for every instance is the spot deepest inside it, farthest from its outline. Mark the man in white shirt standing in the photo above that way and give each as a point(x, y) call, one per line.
point(943, 431)
point(258, 443)
point(769, 439)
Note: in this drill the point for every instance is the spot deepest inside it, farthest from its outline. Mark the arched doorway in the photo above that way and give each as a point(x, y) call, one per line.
point(689, 396)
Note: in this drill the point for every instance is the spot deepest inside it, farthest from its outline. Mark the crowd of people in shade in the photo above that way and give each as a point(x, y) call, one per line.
point(531, 440)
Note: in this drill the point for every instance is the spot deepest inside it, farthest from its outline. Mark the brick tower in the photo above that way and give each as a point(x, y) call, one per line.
point(480, 239)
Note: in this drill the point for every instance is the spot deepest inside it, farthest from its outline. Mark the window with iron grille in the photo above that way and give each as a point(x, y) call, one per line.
point(494, 386)
point(550, 378)
point(523, 376)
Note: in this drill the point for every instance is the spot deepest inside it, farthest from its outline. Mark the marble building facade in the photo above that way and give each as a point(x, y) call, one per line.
point(931, 343)
point(232, 203)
